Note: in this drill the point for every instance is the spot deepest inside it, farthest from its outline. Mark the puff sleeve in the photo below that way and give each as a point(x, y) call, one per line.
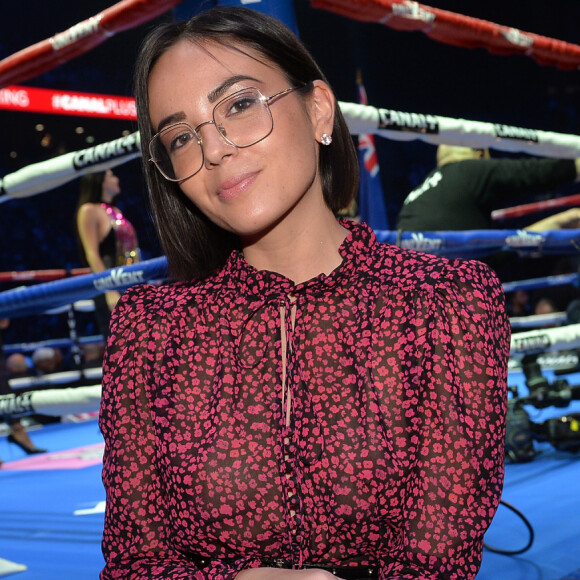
point(137, 540)
point(454, 410)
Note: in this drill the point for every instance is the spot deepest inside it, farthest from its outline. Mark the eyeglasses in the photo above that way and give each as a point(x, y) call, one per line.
point(242, 119)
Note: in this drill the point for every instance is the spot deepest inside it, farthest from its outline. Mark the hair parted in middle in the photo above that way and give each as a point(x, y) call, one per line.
point(195, 247)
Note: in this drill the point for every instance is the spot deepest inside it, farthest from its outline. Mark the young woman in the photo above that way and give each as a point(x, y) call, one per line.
point(302, 402)
point(107, 238)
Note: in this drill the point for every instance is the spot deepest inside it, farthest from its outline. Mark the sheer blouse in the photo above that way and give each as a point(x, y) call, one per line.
point(354, 419)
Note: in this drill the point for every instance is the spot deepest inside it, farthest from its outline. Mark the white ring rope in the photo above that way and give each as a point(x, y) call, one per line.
point(52, 402)
point(390, 124)
point(437, 130)
point(538, 320)
point(545, 340)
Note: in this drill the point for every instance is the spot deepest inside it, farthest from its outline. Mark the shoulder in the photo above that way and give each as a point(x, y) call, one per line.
point(91, 211)
point(167, 300)
point(411, 269)
point(472, 166)
point(160, 299)
point(91, 208)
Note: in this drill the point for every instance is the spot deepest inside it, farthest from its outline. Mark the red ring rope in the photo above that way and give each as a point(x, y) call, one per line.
point(41, 275)
point(525, 209)
point(78, 39)
point(457, 29)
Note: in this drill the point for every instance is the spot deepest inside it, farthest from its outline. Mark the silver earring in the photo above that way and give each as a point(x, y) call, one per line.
point(326, 139)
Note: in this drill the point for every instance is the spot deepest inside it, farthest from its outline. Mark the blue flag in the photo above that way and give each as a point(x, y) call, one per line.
point(371, 202)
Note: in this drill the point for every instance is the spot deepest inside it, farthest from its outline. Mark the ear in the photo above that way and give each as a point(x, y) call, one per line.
point(322, 104)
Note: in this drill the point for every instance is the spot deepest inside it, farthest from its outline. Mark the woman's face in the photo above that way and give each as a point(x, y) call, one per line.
point(111, 183)
point(249, 190)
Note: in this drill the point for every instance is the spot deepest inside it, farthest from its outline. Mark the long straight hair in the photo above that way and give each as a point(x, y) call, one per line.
point(91, 188)
point(90, 191)
point(195, 247)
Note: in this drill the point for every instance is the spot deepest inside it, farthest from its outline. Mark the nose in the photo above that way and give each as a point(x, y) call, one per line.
point(214, 145)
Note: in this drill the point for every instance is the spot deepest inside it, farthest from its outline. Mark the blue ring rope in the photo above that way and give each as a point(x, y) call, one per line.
point(39, 298)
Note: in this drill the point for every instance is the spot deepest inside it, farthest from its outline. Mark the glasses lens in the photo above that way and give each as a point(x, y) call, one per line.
point(177, 152)
point(243, 118)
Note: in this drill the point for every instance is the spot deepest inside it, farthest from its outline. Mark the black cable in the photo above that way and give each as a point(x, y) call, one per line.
point(527, 524)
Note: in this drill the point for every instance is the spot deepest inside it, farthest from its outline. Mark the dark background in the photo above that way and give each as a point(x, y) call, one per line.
point(405, 71)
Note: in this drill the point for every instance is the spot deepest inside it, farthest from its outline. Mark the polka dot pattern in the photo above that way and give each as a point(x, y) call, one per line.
point(354, 419)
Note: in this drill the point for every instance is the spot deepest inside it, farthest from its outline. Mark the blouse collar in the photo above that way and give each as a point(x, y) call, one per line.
point(267, 285)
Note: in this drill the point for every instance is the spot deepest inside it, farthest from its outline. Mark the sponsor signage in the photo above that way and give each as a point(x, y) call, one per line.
point(401, 121)
point(34, 100)
point(530, 343)
point(119, 278)
point(106, 151)
point(517, 133)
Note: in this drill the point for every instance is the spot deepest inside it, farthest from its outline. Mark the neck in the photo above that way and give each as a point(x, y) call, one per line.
point(300, 250)
point(107, 197)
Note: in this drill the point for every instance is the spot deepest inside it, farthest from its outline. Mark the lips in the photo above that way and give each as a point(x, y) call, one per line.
point(236, 185)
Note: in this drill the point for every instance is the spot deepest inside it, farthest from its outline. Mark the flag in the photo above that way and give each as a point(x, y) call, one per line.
point(372, 208)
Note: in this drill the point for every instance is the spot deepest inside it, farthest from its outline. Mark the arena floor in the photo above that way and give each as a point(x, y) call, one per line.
point(51, 509)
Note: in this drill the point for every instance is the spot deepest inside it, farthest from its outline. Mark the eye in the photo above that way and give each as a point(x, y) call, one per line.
point(240, 105)
point(175, 138)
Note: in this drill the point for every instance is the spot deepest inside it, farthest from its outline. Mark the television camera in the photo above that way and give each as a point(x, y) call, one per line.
point(562, 432)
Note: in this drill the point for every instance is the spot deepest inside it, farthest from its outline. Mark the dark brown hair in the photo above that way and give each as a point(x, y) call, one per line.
point(91, 188)
point(91, 191)
point(195, 247)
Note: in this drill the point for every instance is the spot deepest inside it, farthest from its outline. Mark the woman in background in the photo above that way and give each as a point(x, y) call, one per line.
point(107, 238)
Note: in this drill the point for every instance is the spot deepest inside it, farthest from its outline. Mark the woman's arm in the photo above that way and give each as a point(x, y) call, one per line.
point(567, 219)
point(90, 227)
point(457, 389)
point(138, 539)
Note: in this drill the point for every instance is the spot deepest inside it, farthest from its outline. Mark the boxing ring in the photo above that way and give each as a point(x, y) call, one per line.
point(77, 391)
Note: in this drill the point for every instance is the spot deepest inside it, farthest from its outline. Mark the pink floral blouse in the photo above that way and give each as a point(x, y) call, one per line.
point(354, 419)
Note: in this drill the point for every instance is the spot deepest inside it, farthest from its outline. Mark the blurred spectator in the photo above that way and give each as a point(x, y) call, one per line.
point(15, 363)
point(93, 354)
point(464, 188)
point(518, 303)
point(467, 185)
point(561, 295)
point(545, 306)
point(47, 360)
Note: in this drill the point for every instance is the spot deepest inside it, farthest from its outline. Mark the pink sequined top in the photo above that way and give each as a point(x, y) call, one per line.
point(127, 246)
point(356, 418)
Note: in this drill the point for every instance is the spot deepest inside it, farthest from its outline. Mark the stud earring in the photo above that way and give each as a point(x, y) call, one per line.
point(326, 139)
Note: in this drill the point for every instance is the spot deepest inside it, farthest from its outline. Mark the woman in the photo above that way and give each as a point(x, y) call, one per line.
point(107, 238)
point(303, 402)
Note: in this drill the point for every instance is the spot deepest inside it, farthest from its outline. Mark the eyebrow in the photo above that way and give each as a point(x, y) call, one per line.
point(170, 120)
point(213, 96)
point(220, 91)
